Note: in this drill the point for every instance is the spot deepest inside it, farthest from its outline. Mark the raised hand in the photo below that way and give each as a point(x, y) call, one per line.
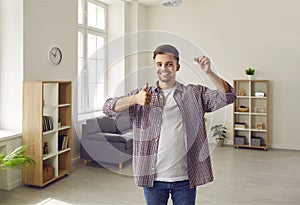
point(204, 63)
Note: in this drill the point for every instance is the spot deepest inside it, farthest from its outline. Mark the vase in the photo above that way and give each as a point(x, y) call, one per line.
point(220, 143)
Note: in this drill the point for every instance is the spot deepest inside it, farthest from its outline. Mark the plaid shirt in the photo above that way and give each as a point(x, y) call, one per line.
point(193, 102)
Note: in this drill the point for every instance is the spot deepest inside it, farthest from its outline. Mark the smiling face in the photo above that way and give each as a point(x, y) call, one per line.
point(166, 66)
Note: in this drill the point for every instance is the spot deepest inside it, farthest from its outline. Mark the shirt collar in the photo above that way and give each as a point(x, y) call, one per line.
point(177, 85)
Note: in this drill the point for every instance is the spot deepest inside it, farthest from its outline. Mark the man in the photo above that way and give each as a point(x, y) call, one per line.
point(170, 149)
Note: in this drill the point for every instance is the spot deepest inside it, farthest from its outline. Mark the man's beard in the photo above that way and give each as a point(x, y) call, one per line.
point(164, 79)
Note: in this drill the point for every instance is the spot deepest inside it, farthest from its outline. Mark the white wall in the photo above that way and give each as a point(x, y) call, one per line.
point(11, 75)
point(237, 34)
point(49, 23)
point(116, 49)
point(125, 19)
point(11, 64)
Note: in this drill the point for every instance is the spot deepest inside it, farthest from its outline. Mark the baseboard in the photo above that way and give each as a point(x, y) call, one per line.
point(76, 159)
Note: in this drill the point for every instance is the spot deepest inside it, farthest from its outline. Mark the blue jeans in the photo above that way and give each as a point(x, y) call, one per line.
point(181, 193)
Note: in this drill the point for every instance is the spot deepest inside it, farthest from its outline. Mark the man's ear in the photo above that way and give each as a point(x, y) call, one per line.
point(178, 67)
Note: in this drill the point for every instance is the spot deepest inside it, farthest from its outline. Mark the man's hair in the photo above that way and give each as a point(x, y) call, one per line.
point(163, 49)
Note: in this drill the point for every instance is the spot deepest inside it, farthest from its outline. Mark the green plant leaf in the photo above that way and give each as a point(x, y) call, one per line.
point(250, 71)
point(219, 131)
point(16, 159)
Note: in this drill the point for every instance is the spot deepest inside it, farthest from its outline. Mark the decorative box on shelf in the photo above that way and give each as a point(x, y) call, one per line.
point(256, 141)
point(48, 173)
point(259, 94)
point(239, 140)
point(240, 125)
point(243, 108)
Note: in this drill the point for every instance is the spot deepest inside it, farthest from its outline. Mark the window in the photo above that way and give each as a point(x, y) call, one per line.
point(91, 55)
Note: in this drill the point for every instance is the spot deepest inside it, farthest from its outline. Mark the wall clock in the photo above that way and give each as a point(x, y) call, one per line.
point(55, 55)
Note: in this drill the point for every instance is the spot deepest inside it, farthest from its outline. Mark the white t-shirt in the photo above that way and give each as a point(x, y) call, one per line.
point(171, 164)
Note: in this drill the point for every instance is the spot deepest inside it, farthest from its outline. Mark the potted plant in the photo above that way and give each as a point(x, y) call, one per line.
point(219, 133)
point(15, 159)
point(250, 73)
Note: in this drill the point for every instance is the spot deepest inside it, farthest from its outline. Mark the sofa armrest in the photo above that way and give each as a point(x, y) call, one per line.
point(84, 131)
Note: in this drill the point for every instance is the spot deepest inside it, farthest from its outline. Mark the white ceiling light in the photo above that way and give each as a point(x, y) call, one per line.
point(171, 3)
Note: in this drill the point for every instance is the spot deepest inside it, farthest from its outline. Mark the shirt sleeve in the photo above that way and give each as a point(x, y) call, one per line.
point(108, 107)
point(214, 99)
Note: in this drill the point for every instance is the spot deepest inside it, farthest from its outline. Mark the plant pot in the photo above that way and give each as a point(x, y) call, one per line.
point(220, 143)
point(250, 77)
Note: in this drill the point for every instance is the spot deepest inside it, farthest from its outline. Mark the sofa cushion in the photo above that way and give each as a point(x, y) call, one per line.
point(92, 126)
point(106, 124)
point(125, 138)
point(110, 137)
point(123, 125)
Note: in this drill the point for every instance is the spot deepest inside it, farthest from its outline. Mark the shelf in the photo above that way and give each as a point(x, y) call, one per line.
point(48, 156)
point(50, 106)
point(241, 113)
point(254, 97)
point(63, 128)
point(49, 181)
point(63, 151)
point(241, 145)
point(256, 130)
point(63, 172)
point(248, 146)
point(257, 117)
point(53, 99)
point(250, 113)
point(262, 114)
point(243, 97)
point(241, 129)
point(64, 105)
point(49, 132)
point(247, 129)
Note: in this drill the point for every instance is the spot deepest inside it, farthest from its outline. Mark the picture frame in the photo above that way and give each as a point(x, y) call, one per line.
point(259, 126)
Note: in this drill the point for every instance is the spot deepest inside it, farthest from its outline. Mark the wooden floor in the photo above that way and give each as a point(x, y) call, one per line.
point(242, 176)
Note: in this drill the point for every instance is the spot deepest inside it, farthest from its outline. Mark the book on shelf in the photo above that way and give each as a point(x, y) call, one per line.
point(63, 142)
point(66, 142)
point(240, 125)
point(60, 141)
point(47, 123)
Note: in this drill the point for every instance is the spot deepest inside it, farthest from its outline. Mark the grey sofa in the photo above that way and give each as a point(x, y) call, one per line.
point(105, 140)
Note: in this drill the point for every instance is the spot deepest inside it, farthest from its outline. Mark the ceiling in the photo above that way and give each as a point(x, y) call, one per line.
point(157, 2)
point(150, 2)
point(146, 2)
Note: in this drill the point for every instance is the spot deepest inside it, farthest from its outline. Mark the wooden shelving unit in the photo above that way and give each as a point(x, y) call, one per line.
point(251, 127)
point(52, 99)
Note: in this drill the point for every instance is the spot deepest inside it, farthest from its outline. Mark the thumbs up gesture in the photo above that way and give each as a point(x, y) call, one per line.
point(144, 97)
